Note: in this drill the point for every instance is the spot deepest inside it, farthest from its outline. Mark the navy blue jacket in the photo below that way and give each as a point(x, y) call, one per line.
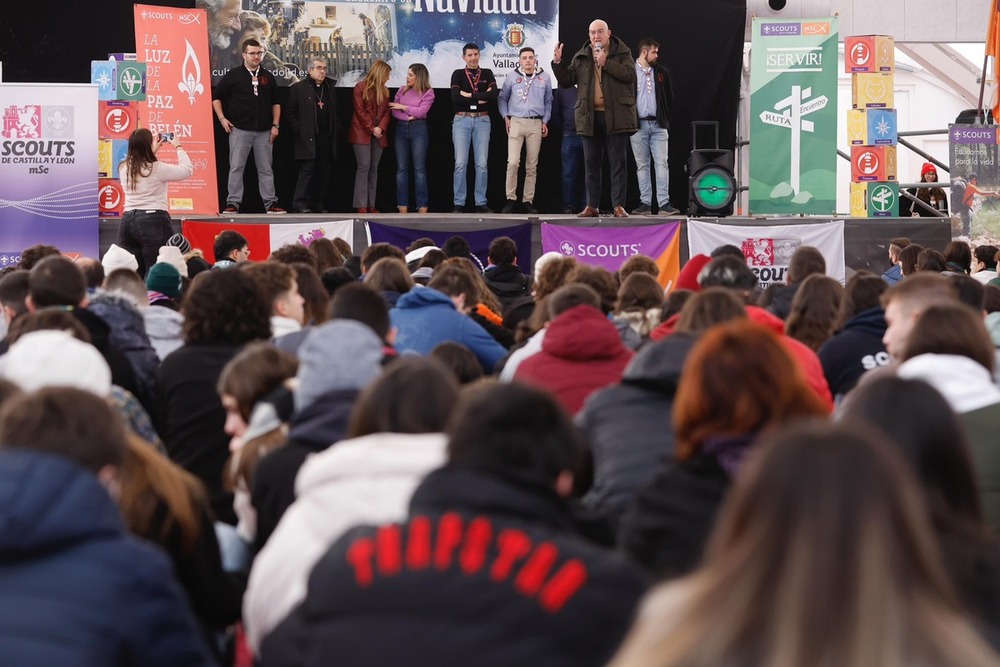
point(77, 589)
point(426, 317)
point(311, 430)
point(854, 350)
point(564, 110)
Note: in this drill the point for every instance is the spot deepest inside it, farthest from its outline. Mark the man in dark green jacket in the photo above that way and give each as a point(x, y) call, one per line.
point(604, 73)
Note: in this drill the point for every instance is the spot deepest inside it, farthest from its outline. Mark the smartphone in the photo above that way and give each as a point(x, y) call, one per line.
point(166, 136)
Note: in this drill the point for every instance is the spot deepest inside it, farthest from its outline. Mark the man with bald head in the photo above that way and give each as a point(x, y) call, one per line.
point(604, 72)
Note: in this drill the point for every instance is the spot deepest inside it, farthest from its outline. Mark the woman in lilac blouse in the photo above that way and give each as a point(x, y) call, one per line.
point(409, 108)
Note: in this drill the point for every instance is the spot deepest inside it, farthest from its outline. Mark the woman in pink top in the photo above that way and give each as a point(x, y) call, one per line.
point(146, 221)
point(409, 108)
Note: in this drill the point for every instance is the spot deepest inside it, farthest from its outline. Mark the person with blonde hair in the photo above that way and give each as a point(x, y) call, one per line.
point(369, 133)
point(822, 555)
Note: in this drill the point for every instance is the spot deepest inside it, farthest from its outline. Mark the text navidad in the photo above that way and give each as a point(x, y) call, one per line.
point(477, 6)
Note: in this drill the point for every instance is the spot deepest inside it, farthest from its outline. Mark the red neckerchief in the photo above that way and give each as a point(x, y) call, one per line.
point(474, 82)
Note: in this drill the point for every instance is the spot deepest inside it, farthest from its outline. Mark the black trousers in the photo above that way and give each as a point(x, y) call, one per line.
point(594, 148)
point(142, 233)
point(314, 179)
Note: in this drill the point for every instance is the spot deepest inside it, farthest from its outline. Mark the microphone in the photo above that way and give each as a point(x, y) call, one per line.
point(598, 47)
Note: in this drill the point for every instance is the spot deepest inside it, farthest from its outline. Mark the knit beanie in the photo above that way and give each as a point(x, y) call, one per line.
point(172, 255)
point(545, 259)
point(270, 413)
point(340, 354)
point(118, 257)
point(53, 358)
point(418, 254)
point(688, 278)
point(165, 279)
point(928, 166)
point(181, 242)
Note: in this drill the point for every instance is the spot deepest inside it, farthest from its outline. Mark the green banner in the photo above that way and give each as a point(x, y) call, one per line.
point(793, 117)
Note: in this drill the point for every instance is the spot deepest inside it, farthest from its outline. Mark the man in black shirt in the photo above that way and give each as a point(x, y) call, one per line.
point(473, 91)
point(246, 104)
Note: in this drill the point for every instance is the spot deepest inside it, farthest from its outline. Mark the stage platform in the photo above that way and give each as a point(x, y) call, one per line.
point(865, 242)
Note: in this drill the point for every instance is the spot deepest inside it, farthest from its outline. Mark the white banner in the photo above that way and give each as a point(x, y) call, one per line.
point(48, 168)
point(305, 234)
point(768, 250)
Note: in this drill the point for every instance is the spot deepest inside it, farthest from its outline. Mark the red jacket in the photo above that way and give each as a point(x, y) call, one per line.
point(806, 359)
point(366, 116)
point(582, 352)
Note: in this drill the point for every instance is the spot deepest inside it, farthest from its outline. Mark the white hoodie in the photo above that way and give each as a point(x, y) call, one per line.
point(363, 481)
point(965, 384)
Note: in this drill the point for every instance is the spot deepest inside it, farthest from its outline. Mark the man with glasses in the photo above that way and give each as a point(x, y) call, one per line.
point(246, 104)
point(230, 248)
point(313, 117)
point(653, 98)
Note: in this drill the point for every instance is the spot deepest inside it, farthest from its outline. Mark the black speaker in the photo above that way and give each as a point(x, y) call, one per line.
point(711, 185)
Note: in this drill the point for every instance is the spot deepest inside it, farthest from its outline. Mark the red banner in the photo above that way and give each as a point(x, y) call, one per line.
point(173, 42)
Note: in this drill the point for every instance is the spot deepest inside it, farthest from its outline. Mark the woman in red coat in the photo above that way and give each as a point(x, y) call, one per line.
point(369, 133)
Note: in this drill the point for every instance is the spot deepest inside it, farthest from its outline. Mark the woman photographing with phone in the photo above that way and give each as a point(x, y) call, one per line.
point(146, 221)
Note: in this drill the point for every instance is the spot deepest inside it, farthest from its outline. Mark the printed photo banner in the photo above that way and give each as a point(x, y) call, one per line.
point(793, 116)
point(974, 193)
point(769, 249)
point(478, 239)
point(609, 247)
point(48, 169)
point(264, 238)
point(353, 35)
point(172, 43)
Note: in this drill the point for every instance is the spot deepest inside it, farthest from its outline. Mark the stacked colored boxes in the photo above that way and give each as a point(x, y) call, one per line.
point(872, 126)
point(121, 86)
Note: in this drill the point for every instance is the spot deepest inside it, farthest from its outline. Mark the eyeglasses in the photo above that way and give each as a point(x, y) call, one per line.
point(245, 251)
point(323, 67)
point(253, 54)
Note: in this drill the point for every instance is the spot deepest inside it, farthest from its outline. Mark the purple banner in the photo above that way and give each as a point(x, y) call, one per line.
point(478, 239)
point(973, 135)
point(609, 247)
point(48, 168)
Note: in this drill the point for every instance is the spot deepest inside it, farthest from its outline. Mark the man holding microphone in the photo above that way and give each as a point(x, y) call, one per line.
point(604, 73)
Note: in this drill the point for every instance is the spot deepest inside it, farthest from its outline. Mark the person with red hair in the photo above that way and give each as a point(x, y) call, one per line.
point(739, 381)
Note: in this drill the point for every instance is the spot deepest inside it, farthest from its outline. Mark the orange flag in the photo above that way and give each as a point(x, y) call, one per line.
point(993, 49)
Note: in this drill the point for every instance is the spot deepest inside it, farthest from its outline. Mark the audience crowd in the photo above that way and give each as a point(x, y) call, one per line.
point(406, 457)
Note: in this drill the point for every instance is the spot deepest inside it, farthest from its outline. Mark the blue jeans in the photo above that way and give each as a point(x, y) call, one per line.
point(240, 143)
point(651, 140)
point(572, 168)
point(474, 131)
point(411, 146)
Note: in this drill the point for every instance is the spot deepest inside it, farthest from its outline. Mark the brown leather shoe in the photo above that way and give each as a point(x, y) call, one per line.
point(589, 212)
point(620, 212)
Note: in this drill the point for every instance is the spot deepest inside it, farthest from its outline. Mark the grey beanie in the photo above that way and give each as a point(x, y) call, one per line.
point(180, 242)
point(341, 354)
